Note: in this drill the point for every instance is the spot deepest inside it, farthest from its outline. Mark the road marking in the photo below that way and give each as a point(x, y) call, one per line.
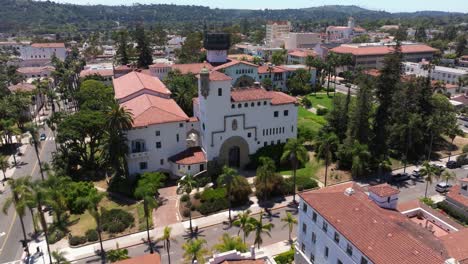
point(9, 231)
point(2, 234)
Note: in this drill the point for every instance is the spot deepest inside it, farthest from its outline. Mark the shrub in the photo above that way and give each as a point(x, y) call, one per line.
point(186, 212)
point(185, 198)
point(306, 102)
point(305, 133)
point(465, 148)
point(122, 185)
point(322, 111)
point(76, 240)
point(75, 194)
point(305, 183)
point(193, 207)
point(212, 206)
point(453, 213)
point(197, 196)
point(213, 194)
point(92, 235)
point(285, 257)
point(116, 220)
point(272, 151)
point(55, 235)
point(241, 191)
point(274, 187)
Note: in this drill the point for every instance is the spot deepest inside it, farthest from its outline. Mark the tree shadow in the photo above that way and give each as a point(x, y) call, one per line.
point(193, 235)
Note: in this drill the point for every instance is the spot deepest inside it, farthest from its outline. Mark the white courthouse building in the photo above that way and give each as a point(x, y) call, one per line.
point(228, 124)
point(446, 75)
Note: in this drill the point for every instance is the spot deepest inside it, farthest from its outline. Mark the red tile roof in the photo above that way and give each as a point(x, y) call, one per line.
point(189, 156)
point(145, 259)
point(383, 190)
point(455, 195)
point(193, 118)
point(150, 109)
point(302, 53)
point(218, 76)
point(23, 87)
point(282, 22)
point(265, 69)
point(456, 244)
point(194, 68)
point(134, 82)
point(381, 50)
point(464, 180)
point(161, 65)
point(246, 261)
point(256, 94)
point(30, 70)
point(102, 72)
point(384, 236)
point(232, 63)
point(48, 45)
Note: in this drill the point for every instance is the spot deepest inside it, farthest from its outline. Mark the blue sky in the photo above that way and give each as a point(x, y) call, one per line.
point(387, 5)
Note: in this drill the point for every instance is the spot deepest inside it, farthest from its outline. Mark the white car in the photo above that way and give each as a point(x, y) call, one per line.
point(443, 187)
point(438, 165)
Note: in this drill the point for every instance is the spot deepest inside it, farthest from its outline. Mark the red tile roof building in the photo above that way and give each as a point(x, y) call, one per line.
point(144, 259)
point(136, 83)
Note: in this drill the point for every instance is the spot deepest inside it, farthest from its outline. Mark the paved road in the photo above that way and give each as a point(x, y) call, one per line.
point(10, 245)
point(212, 235)
point(341, 88)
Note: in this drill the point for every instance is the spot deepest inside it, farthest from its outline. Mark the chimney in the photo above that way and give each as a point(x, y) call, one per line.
point(257, 84)
point(349, 191)
point(384, 196)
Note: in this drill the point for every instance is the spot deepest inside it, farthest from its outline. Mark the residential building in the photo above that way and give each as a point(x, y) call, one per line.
point(275, 32)
point(371, 55)
point(344, 33)
point(347, 224)
point(301, 40)
point(36, 54)
point(228, 125)
point(35, 72)
point(446, 75)
point(457, 197)
point(299, 56)
point(37, 99)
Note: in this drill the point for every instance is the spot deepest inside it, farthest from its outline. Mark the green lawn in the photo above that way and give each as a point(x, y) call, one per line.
point(309, 119)
point(322, 99)
point(309, 170)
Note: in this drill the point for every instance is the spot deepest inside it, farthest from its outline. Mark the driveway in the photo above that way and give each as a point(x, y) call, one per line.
point(167, 212)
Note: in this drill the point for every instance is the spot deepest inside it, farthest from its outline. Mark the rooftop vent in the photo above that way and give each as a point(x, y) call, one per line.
point(349, 191)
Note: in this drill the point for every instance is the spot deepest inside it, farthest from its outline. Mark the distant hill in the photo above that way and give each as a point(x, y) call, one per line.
point(45, 17)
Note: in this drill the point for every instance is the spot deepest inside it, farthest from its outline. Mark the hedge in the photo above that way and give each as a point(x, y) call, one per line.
point(77, 240)
point(92, 235)
point(453, 213)
point(116, 220)
point(285, 257)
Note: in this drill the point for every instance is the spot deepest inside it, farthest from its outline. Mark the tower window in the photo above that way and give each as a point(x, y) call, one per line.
point(246, 105)
point(239, 106)
point(233, 106)
point(220, 92)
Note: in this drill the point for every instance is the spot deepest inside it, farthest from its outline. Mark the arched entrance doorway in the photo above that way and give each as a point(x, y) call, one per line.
point(234, 157)
point(234, 152)
point(244, 81)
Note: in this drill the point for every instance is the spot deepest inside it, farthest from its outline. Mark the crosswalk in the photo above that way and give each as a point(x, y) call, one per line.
point(50, 139)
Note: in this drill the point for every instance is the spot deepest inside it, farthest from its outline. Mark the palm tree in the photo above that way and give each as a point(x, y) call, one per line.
point(259, 228)
point(228, 180)
point(93, 201)
point(448, 176)
point(52, 127)
point(265, 172)
point(245, 223)
point(228, 243)
point(35, 142)
point(4, 165)
point(453, 131)
point(195, 250)
point(296, 153)
point(186, 184)
point(167, 238)
point(117, 254)
point(430, 172)
point(19, 188)
point(56, 199)
point(325, 149)
point(290, 223)
point(147, 189)
point(59, 257)
point(361, 157)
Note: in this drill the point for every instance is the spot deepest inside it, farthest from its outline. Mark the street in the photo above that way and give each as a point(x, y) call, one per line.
point(10, 241)
point(212, 235)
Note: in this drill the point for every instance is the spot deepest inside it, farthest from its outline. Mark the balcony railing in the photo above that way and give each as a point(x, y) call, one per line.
point(141, 154)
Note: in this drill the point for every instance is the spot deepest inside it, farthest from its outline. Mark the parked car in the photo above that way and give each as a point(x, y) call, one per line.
point(443, 187)
point(464, 118)
point(42, 137)
point(400, 177)
point(416, 173)
point(452, 164)
point(440, 166)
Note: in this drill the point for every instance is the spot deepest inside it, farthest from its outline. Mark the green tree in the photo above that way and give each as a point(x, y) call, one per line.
point(167, 238)
point(461, 45)
point(4, 165)
point(299, 82)
point(296, 153)
point(245, 223)
point(448, 176)
point(453, 131)
point(278, 57)
point(33, 130)
point(420, 34)
point(117, 254)
point(265, 172)
point(260, 229)
point(145, 56)
point(429, 172)
point(94, 95)
point(184, 88)
point(326, 148)
point(228, 243)
point(290, 222)
point(359, 118)
point(228, 179)
point(93, 201)
point(361, 157)
point(190, 52)
point(59, 257)
point(195, 250)
point(186, 185)
point(122, 53)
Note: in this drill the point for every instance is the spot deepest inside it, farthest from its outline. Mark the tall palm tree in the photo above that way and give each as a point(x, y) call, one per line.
point(195, 250)
point(167, 238)
point(228, 179)
point(186, 185)
point(93, 201)
point(228, 243)
point(59, 257)
point(296, 153)
point(55, 198)
point(147, 190)
point(264, 173)
point(119, 118)
point(4, 165)
point(325, 149)
point(245, 223)
point(453, 131)
point(260, 229)
point(361, 157)
point(35, 142)
point(430, 172)
point(117, 254)
point(290, 222)
point(19, 188)
point(448, 176)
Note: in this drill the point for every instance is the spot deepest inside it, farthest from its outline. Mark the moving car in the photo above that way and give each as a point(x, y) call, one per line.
point(443, 187)
point(400, 177)
point(42, 137)
point(452, 164)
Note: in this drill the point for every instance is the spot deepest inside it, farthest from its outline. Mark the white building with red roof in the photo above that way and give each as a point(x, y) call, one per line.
point(228, 124)
point(346, 224)
point(344, 33)
point(40, 54)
